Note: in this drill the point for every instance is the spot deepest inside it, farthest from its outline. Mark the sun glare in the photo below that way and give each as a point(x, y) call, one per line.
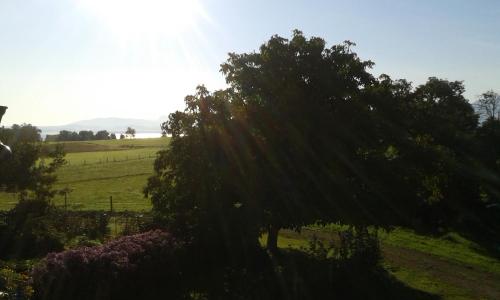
point(128, 18)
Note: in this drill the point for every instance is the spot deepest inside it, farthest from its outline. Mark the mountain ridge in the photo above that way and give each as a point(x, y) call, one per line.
point(111, 124)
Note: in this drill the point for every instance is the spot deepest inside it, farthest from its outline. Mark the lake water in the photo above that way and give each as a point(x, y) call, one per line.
point(139, 135)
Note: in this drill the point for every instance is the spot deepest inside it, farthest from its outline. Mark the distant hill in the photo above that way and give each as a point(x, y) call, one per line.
point(109, 124)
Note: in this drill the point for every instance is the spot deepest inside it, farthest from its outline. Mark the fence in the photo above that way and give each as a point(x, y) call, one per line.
point(107, 160)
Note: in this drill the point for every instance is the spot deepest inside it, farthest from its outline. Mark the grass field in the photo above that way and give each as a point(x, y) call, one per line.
point(98, 170)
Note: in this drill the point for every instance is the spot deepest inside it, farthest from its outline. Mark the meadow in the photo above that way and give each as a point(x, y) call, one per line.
point(449, 266)
point(98, 170)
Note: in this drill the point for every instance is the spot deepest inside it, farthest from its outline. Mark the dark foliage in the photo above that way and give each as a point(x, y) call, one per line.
point(305, 134)
point(301, 276)
point(83, 135)
point(29, 231)
point(155, 265)
point(15, 280)
point(130, 131)
point(27, 170)
point(34, 228)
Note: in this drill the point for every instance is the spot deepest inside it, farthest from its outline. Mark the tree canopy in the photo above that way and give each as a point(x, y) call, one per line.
point(305, 134)
point(130, 131)
point(29, 169)
point(488, 105)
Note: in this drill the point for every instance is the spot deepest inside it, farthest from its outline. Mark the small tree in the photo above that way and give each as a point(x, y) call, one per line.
point(130, 131)
point(27, 170)
point(488, 105)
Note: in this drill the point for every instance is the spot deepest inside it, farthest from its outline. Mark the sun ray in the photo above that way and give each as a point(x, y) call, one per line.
point(130, 19)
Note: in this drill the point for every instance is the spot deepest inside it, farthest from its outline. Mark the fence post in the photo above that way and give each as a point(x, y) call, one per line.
point(111, 204)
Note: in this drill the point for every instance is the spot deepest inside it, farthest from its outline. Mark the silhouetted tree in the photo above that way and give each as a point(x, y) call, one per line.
point(488, 105)
point(488, 139)
point(281, 141)
point(306, 134)
point(27, 170)
point(65, 135)
point(102, 135)
point(130, 131)
point(85, 135)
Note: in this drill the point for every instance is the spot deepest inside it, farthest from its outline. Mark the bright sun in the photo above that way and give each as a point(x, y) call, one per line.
point(129, 18)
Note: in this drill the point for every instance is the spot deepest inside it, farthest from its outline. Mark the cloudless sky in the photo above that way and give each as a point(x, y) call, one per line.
point(67, 60)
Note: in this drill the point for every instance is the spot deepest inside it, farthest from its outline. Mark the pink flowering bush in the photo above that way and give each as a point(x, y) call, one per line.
point(132, 267)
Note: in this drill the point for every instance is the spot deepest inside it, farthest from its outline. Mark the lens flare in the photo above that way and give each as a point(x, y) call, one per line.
point(129, 18)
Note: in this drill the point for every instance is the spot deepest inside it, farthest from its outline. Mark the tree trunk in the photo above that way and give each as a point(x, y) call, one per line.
point(272, 238)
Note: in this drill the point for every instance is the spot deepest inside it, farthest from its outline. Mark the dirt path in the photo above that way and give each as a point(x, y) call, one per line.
point(478, 283)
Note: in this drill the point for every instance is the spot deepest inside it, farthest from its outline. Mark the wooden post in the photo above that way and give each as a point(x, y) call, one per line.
point(111, 204)
point(65, 200)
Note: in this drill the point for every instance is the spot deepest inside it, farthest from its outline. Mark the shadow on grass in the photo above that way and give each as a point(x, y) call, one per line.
point(202, 275)
point(297, 275)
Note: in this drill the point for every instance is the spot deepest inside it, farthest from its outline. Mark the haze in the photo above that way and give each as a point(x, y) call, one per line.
point(68, 60)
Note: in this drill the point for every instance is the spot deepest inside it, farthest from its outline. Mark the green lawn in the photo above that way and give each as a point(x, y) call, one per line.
point(449, 266)
point(98, 170)
point(451, 246)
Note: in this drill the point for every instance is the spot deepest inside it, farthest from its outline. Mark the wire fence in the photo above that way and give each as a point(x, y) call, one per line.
point(108, 160)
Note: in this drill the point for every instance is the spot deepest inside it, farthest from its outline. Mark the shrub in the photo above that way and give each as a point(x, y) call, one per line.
point(356, 247)
point(142, 266)
point(359, 247)
point(34, 228)
point(29, 231)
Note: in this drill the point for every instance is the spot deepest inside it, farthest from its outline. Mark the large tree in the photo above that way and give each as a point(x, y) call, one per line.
point(277, 147)
point(304, 134)
point(198, 188)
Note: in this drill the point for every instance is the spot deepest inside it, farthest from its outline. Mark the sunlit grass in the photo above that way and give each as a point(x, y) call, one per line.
point(97, 170)
point(425, 282)
point(451, 246)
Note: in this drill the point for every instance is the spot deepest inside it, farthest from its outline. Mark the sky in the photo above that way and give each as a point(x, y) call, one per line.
point(67, 60)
